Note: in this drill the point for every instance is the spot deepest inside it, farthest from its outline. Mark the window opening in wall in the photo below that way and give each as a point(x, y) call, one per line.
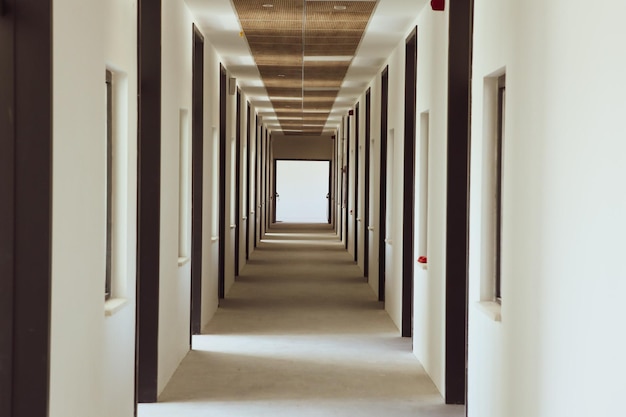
point(492, 160)
point(184, 186)
point(423, 195)
point(116, 194)
point(109, 181)
point(498, 186)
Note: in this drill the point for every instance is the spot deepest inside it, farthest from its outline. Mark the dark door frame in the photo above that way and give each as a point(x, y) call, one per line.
point(25, 206)
point(262, 190)
point(356, 182)
point(408, 199)
point(338, 188)
point(8, 85)
point(248, 179)
point(274, 192)
point(347, 209)
point(257, 180)
point(366, 193)
point(268, 175)
point(222, 185)
point(382, 220)
point(237, 179)
point(457, 218)
point(148, 199)
point(197, 158)
point(330, 189)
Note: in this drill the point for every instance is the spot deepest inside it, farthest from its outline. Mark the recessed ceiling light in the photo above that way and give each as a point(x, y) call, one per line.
point(340, 7)
point(327, 58)
point(321, 88)
point(268, 5)
point(278, 98)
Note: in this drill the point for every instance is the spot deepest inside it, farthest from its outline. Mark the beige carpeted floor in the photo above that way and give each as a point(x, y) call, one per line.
point(300, 334)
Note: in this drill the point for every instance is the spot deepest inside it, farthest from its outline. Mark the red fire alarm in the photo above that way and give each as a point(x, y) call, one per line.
point(438, 5)
point(350, 112)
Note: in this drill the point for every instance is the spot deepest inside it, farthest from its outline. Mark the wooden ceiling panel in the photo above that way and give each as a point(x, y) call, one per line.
point(330, 50)
point(351, 7)
point(281, 33)
point(278, 24)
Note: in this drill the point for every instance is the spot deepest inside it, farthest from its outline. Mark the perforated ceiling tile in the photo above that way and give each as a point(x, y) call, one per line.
point(293, 43)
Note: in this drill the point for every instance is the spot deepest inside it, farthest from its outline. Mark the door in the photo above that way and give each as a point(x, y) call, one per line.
point(301, 191)
point(25, 205)
point(196, 179)
point(222, 187)
point(408, 199)
point(368, 229)
point(382, 221)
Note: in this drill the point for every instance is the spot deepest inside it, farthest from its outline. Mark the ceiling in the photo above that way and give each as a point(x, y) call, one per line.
point(303, 63)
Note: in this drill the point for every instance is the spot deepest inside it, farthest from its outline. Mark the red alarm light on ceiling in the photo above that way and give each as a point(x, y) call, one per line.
point(438, 5)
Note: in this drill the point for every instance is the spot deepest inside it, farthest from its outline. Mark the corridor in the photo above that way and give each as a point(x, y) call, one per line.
point(300, 334)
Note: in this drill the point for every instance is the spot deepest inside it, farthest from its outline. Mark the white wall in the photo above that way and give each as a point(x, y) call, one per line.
point(210, 209)
point(174, 300)
point(229, 241)
point(395, 137)
point(374, 235)
point(351, 154)
point(492, 55)
point(92, 356)
point(119, 337)
point(429, 285)
point(79, 210)
point(559, 343)
point(359, 144)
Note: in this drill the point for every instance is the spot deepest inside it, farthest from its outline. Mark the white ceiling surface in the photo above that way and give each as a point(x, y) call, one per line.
point(389, 25)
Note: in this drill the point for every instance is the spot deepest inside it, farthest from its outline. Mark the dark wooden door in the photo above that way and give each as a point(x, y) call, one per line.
point(25, 205)
point(408, 200)
point(382, 220)
point(197, 140)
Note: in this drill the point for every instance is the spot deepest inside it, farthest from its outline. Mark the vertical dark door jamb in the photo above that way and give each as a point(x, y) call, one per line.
point(8, 82)
point(197, 157)
point(267, 179)
point(457, 219)
point(356, 183)
point(237, 180)
point(148, 198)
point(248, 179)
point(330, 188)
point(222, 186)
point(25, 206)
point(366, 194)
point(274, 193)
point(257, 181)
point(382, 221)
point(262, 185)
point(408, 206)
point(347, 133)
